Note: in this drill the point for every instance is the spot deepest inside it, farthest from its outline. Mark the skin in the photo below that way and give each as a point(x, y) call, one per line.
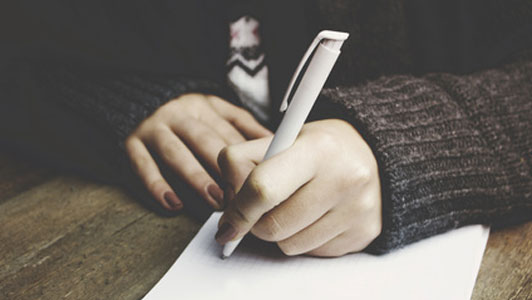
point(320, 197)
point(188, 133)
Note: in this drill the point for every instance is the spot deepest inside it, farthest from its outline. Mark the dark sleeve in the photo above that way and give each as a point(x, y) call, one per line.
point(452, 150)
point(76, 121)
point(76, 77)
point(117, 102)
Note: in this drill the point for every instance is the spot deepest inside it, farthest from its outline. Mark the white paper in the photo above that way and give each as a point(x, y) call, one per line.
point(440, 267)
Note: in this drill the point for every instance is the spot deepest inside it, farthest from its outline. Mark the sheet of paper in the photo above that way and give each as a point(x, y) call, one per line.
point(441, 267)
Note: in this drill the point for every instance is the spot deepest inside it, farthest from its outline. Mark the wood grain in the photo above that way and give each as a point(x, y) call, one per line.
point(67, 238)
point(506, 270)
point(18, 177)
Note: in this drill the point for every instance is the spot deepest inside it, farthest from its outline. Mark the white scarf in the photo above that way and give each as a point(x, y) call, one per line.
point(247, 70)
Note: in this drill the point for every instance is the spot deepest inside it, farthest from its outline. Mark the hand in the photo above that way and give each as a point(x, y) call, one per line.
point(187, 133)
point(322, 196)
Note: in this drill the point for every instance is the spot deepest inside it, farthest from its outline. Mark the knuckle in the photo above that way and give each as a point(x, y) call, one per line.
point(247, 115)
point(198, 180)
point(193, 105)
point(168, 150)
point(241, 215)
point(268, 228)
point(236, 216)
point(158, 131)
point(348, 183)
point(366, 204)
point(371, 232)
point(325, 137)
point(227, 155)
point(228, 162)
point(243, 117)
point(260, 188)
point(325, 140)
point(156, 185)
point(356, 177)
point(364, 174)
point(288, 247)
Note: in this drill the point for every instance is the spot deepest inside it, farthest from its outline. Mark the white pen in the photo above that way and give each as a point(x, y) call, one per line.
point(326, 48)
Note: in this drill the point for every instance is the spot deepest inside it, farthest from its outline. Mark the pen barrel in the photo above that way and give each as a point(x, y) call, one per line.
point(304, 98)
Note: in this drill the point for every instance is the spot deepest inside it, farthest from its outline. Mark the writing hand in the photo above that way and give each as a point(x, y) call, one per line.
point(320, 197)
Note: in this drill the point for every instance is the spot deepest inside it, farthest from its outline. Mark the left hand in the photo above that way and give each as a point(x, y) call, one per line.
point(321, 197)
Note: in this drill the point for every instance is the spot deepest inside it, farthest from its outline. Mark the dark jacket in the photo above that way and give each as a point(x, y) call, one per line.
point(440, 90)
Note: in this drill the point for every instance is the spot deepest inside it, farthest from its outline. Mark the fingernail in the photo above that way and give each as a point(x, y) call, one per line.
point(172, 200)
point(216, 193)
point(225, 233)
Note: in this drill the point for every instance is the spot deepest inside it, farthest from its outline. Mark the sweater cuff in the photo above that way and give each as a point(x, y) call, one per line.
point(437, 170)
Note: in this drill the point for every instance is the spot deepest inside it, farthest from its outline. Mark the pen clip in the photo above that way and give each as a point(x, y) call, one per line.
point(325, 34)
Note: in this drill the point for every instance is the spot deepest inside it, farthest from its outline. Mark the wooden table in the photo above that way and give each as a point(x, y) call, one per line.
point(65, 237)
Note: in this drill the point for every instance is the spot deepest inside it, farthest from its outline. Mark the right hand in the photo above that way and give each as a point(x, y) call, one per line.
point(188, 133)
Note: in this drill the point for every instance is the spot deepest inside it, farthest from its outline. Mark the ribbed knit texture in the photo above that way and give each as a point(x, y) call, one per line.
point(117, 102)
point(452, 150)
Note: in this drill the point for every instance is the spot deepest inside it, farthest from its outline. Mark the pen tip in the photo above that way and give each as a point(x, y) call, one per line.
point(224, 257)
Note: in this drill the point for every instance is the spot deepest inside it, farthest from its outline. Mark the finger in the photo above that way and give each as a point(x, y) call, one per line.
point(240, 118)
point(366, 229)
point(347, 242)
point(320, 232)
point(270, 183)
point(301, 210)
point(202, 140)
point(349, 227)
point(226, 130)
point(181, 160)
point(146, 168)
point(237, 161)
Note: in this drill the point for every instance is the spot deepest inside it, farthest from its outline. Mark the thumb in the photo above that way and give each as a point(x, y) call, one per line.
point(236, 162)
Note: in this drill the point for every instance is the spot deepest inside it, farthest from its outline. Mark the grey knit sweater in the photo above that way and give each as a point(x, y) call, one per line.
point(452, 149)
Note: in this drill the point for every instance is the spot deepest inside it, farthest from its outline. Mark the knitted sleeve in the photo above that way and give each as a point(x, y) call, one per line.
point(452, 150)
point(76, 121)
point(116, 103)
